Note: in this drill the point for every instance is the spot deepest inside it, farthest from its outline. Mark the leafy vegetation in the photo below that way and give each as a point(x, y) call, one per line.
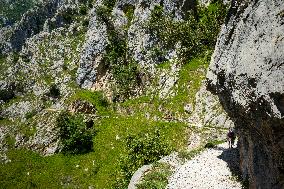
point(129, 13)
point(14, 10)
point(75, 136)
point(54, 91)
point(157, 178)
point(117, 58)
point(196, 34)
point(30, 114)
point(100, 167)
point(6, 94)
point(142, 149)
point(213, 144)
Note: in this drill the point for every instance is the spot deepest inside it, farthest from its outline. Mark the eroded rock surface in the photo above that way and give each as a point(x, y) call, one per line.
point(247, 72)
point(140, 42)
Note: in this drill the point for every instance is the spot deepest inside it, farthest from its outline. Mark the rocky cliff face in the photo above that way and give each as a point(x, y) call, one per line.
point(247, 72)
point(129, 19)
point(39, 55)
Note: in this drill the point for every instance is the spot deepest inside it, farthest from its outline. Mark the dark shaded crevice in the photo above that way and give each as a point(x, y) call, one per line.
point(279, 101)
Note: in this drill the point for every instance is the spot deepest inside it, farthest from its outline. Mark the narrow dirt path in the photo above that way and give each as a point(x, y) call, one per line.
point(212, 169)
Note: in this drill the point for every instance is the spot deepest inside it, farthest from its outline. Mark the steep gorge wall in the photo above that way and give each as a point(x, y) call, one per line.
point(246, 72)
point(51, 50)
point(139, 41)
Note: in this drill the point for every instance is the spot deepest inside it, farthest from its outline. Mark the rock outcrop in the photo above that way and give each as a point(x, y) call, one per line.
point(38, 60)
point(141, 42)
point(247, 72)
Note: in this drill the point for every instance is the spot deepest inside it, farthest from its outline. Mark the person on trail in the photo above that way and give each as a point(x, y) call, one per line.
point(231, 137)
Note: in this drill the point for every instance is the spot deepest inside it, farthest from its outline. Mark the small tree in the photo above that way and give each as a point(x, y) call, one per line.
point(54, 91)
point(75, 137)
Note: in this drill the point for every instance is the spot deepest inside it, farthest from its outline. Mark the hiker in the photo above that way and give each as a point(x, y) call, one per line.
point(231, 137)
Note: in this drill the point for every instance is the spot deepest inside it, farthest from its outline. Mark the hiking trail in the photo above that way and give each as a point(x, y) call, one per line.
point(212, 169)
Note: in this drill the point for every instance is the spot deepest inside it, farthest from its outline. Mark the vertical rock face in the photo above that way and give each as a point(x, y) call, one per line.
point(247, 71)
point(140, 42)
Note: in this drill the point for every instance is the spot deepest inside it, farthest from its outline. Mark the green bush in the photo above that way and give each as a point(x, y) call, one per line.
point(83, 10)
point(196, 34)
point(213, 143)
point(54, 91)
point(157, 178)
point(30, 114)
point(129, 13)
point(141, 149)
point(110, 4)
point(123, 67)
point(85, 23)
point(209, 145)
point(6, 94)
point(13, 10)
point(210, 21)
point(75, 137)
point(117, 58)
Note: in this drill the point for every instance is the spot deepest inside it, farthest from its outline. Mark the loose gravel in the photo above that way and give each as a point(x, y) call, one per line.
point(212, 169)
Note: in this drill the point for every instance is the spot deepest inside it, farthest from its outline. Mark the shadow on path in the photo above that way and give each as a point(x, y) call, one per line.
point(232, 158)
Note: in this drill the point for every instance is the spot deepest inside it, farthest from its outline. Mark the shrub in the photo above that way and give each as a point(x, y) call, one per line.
point(15, 57)
point(75, 137)
point(85, 23)
point(30, 114)
point(197, 33)
point(13, 10)
point(103, 14)
point(129, 12)
point(209, 145)
point(6, 94)
point(157, 178)
point(110, 4)
point(83, 10)
point(123, 67)
point(213, 143)
point(54, 91)
point(68, 15)
point(141, 149)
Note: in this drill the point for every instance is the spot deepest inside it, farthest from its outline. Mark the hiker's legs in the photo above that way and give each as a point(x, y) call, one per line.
point(229, 142)
point(233, 142)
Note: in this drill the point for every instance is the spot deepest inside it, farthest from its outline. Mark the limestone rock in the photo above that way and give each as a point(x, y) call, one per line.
point(246, 72)
point(82, 106)
point(208, 111)
point(188, 108)
point(140, 42)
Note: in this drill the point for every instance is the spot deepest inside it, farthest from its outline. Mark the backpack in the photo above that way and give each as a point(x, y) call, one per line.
point(231, 134)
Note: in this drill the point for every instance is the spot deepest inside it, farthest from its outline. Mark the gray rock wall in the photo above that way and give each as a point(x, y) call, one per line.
point(140, 42)
point(247, 72)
